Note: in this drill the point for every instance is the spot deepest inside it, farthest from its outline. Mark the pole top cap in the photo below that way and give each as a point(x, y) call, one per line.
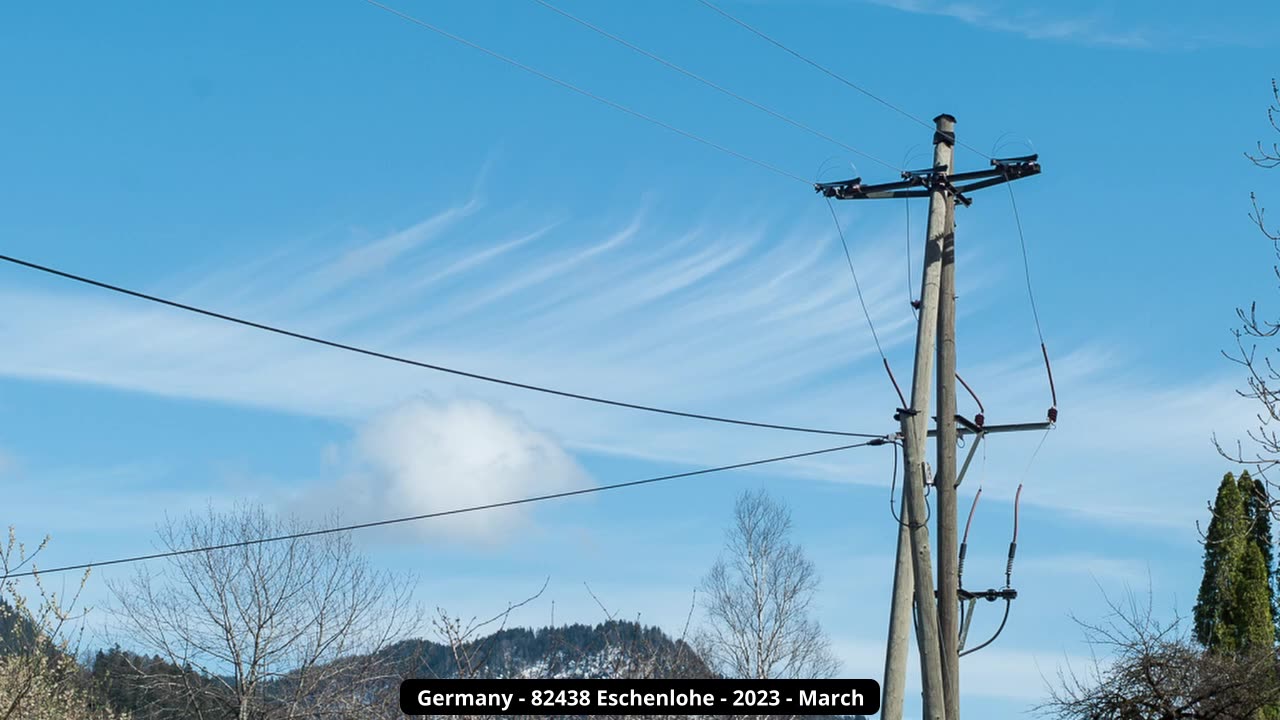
point(945, 116)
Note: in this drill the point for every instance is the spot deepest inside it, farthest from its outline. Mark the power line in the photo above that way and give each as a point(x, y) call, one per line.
point(1008, 573)
point(828, 71)
point(415, 363)
point(1031, 461)
point(1008, 604)
point(858, 286)
point(715, 86)
point(586, 93)
point(761, 34)
point(440, 514)
point(911, 300)
point(1026, 264)
point(1026, 268)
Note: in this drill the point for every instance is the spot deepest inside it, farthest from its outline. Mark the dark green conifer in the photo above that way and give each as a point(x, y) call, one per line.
point(1213, 616)
point(1258, 515)
point(1252, 609)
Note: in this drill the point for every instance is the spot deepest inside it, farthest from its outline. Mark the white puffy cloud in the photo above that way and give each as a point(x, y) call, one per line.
point(427, 456)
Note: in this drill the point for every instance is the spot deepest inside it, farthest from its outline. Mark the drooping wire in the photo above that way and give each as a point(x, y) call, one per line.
point(1026, 472)
point(911, 296)
point(827, 71)
point(916, 313)
point(981, 410)
point(440, 514)
point(1007, 605)
point(815, 64)
point(713, 85)
point(907, 159)
point(1008, 575)
point(1017, 500)
point(861, 301)
point(584, 92)
point(415, 363)
point(893, 491)
point(1026, 264)
point(964, 550)
point(1001, 143)
point(1035, 314)
point(1013, 544)
point(982, 477)
point(964, 540)
point(968, 523)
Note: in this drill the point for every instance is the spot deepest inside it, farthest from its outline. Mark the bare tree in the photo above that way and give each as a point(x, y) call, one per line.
point(1263, 375)
point(1152, 670)
point(39, 640)
point(263, 630)
point(758, 597)
point(470, 650)
point(630, 652)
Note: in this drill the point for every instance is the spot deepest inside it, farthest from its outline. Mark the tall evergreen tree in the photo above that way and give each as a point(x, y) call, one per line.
point(1252, 609)
point(1258, 514)
point(1214, 617)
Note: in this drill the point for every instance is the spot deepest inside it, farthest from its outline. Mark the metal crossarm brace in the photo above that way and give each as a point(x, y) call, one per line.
point(997, 429)
point(922, 183)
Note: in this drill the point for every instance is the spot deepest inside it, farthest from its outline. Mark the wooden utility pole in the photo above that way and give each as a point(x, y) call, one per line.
point(917, 512)
point(915, 428)
point(936, 617)
point(900, 614)
point(945, 481)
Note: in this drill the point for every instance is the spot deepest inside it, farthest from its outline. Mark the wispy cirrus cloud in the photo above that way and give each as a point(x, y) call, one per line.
point(685, 317)
point(1084, 25)
point(755, 321)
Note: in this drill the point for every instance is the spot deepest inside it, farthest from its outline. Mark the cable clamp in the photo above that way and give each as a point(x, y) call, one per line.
point(842, 190)
point(990, 594)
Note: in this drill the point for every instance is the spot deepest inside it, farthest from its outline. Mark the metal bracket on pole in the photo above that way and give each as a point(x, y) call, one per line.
point(923, 183)
point(965, 429)
point(997, 429)
point(968, 424)
point(968, 618)
point(937, 626)
point(977, 439)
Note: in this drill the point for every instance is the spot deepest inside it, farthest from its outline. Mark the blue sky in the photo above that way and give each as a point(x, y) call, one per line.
point(335, 169)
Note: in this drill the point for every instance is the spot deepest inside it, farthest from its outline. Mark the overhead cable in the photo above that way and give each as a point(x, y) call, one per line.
point(440, 514)
point(715, 86)
point(586, 93)
point(867, 314)
point(828, 71)
point(1035, 314)
point(416, 363)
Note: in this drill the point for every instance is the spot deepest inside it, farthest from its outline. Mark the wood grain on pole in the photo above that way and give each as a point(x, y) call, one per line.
point(945, 483)
point(916, 428)
point(900, 612)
